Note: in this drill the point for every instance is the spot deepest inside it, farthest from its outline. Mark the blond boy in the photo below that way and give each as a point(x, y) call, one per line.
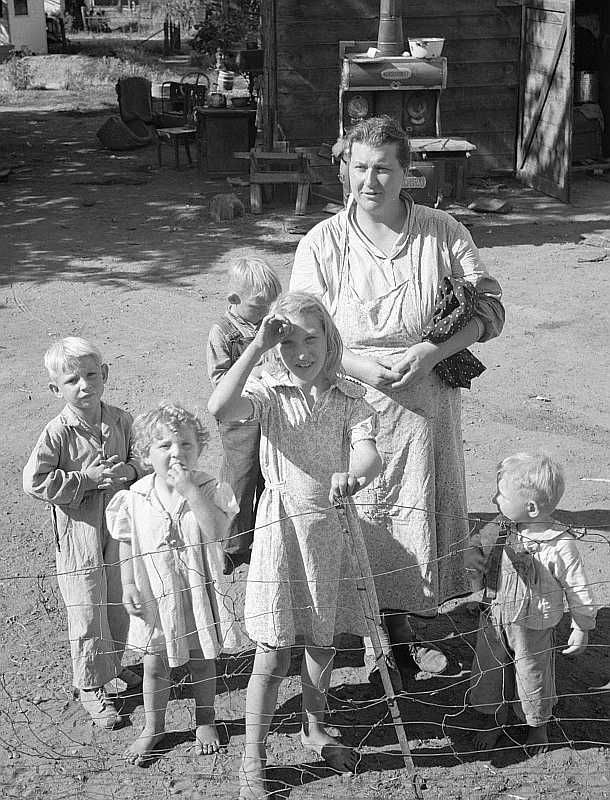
point(529, 565)
point(253, 286)
point(83, 456)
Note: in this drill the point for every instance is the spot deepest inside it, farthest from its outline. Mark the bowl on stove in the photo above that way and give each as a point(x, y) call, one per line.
point(426, 47)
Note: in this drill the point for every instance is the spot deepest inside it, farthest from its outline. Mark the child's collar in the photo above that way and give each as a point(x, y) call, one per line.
point(74, 420)
point(232, 310)
point(543, 531)
point(348, 386)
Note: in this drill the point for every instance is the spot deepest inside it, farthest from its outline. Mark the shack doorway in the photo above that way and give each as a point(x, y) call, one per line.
point(564, 103)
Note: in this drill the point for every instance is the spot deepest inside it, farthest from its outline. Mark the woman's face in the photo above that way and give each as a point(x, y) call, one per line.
point(376, 177)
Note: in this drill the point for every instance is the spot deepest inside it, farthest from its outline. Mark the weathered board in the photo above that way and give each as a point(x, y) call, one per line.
point(481, 45)
point(544, 138)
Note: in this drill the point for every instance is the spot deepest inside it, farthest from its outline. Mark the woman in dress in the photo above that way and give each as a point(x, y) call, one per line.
point(377, 266)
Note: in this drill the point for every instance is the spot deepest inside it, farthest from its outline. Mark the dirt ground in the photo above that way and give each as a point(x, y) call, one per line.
point(111, 247)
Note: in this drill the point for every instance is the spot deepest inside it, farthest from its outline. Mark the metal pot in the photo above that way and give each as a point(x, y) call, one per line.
point(217, 100)
point(586, 87)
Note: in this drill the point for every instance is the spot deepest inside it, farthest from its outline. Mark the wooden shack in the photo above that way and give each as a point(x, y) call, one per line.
point(482, 49)
point(514, 69)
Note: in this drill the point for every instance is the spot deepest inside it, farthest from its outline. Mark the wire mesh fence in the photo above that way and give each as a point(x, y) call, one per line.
point(50, 748)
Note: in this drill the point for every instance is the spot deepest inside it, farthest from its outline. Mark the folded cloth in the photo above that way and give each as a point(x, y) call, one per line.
point(454, 307)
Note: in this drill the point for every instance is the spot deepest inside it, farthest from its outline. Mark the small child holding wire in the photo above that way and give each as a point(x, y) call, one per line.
point(317, 448)
point(170, 526)
point(528, 564)
point(253, 286)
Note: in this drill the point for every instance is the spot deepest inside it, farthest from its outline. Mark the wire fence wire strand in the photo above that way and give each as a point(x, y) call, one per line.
point(49, 749)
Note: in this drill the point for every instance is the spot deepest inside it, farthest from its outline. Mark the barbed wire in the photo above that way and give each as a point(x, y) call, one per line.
point(48, 739)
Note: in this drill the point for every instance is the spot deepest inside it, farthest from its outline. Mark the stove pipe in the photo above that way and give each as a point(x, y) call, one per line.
point(390, 39)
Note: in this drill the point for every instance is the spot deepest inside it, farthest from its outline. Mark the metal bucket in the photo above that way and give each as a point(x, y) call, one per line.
point(225, 80)
point(586, 87)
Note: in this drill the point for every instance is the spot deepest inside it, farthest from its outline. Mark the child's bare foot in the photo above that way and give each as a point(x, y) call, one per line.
point(207, 740)
point(487, 739)
point(337, 755)
point(140, 750)
point(537, 741)
point(252, 778)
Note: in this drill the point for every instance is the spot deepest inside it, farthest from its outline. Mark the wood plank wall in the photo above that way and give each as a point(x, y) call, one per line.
point(482, 49)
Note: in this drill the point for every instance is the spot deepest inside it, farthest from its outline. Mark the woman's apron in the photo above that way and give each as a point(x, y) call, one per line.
point(414, 514)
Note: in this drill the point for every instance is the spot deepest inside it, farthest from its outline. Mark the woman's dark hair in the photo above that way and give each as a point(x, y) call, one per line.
point(376, 132)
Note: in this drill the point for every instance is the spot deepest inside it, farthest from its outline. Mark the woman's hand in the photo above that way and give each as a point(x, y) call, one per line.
point(418, 362)
point(343, 485)
point(368, 370)
point(132, 600)
point(272, 330)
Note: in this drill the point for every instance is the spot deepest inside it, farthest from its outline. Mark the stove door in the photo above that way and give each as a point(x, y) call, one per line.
point(544, 136)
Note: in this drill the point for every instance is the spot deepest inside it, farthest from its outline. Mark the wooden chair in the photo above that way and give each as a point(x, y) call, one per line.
point(179, 98)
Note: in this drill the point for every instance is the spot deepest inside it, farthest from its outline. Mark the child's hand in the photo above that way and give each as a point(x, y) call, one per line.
point(116, 474)
point(577, 643)
point(95, 473)
point(474, 563)
point(343, 485)
point(181, 479)
point(132, 600)
point(474, 560)
point(272, 330)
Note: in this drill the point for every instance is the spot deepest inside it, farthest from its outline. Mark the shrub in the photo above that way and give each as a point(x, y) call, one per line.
point(19, 73)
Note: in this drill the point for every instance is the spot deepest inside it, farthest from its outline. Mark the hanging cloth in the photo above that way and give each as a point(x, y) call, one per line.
point(454, 307)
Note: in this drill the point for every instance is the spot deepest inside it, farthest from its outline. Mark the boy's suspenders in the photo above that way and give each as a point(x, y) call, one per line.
point(235, 338)
point(492, 568)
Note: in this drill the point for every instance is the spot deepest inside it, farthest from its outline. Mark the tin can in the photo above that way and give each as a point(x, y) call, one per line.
point(586, 87)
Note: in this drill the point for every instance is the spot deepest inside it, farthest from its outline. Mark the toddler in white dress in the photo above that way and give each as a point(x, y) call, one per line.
point(170, 526)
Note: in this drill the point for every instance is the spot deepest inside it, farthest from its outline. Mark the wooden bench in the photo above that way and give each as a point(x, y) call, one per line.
point(267, 169)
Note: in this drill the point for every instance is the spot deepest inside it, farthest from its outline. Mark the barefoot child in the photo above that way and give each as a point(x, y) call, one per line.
point(528, 564)
point(317, 446)
point(169, 526)
point(81, 459)
point(253, 286)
